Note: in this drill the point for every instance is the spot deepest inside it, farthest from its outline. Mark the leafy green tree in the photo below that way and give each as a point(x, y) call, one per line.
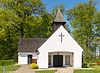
point(24, 12)
point(82, 21)
point(97, 31)
point(18, 19)
point(62, 8)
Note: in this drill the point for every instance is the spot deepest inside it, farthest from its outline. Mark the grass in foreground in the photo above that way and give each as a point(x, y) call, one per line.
point(46, 71)
point(86, 71)
point(95, 70)
point(9, 68)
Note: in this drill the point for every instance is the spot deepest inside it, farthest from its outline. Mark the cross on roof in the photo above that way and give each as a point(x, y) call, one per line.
point(61, 35)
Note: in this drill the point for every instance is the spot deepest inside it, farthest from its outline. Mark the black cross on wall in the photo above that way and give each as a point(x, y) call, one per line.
point(61, 35)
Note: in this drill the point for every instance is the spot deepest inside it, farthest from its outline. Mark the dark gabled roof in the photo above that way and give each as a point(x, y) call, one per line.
point(59, 17)
point(30, 44)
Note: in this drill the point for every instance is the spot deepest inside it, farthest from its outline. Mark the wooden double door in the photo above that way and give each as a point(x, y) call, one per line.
point(58, 60)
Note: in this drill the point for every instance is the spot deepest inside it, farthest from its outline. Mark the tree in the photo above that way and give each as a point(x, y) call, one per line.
point(97, 31)
point(18, 19)
point(23, 10)
point(82, 21)
point(62, 8)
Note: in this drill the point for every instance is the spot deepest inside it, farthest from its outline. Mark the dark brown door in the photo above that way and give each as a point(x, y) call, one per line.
point(58, 60)
point(29, 59)
point(34, 61)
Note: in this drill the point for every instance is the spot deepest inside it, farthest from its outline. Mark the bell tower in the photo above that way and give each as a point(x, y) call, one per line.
point(58, 21)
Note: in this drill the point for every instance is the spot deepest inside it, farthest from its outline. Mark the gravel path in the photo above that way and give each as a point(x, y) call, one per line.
point(24, 69)
point(27, 69)
point(65, 70)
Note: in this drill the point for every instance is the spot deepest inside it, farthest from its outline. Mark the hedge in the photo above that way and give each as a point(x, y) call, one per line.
point(6, 62)
point(84, 65)
point(97, 60)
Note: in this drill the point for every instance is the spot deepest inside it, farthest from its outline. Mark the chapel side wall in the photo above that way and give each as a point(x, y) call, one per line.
point(23, 57)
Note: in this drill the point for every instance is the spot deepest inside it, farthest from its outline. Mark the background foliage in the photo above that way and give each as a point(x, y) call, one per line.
point(30, 19)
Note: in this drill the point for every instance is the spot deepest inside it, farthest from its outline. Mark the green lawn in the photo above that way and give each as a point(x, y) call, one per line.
point(46, 71)
point(86, 71)
point(95, 70)
point(9, 68)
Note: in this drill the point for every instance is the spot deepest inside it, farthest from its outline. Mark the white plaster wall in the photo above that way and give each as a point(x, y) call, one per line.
point(42, 60)
point(23, 57)
point(78, 59)
point(71, 59)
point(53, 44)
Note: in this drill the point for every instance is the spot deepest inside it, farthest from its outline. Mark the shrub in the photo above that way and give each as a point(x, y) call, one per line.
point(84, 65)
point(92, 64)
point(6, 62)
point(97, 60)
point(98, 63)
point(34, 66)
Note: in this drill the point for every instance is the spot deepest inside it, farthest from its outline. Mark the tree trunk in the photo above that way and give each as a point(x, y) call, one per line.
point(21, 30)
point(99, 53)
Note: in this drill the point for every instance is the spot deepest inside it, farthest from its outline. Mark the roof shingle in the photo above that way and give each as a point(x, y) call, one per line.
point(30, 44)
point(59, 17)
